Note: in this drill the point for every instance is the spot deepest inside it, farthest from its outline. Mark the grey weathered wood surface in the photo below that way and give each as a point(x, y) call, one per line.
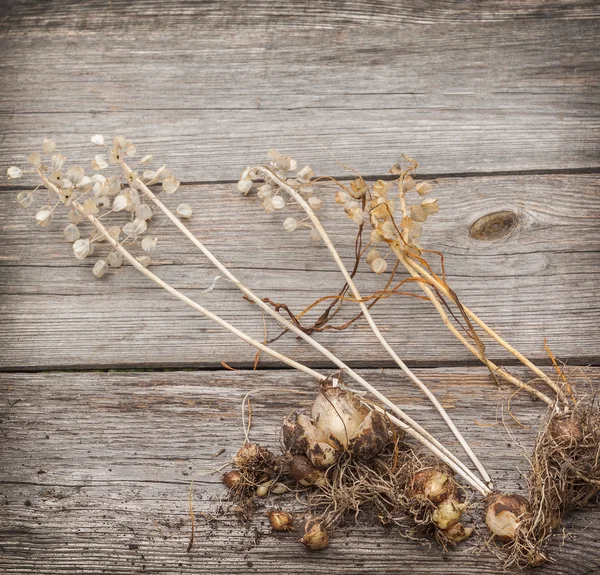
point(498, 100)
point(101, 462)
point(534, 282)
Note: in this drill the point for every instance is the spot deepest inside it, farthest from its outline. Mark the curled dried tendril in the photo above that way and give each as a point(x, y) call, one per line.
point(114, 196)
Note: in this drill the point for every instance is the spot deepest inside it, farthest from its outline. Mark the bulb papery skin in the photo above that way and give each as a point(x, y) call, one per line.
point(504, 514)
point(300, 435)
point(433, 485)
point(315, 535)
point(250, 454)
point(339, 412)
point(370, 438)
point(448, 513)
point(305, 473)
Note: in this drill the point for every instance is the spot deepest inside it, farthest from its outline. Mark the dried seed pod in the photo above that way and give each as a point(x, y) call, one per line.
point(370, 438)
point(433, 485)
point(448, 513)
point(565, 431)
point(305, 473)
point(457, 533)
point(504, 514)
point(232, 479)
point(280, 520)
point(315, 535)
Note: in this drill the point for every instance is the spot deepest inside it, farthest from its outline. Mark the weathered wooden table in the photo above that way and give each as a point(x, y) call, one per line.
point(113, 397)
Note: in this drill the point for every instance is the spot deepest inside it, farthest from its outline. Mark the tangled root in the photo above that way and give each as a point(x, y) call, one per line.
point(565, 476)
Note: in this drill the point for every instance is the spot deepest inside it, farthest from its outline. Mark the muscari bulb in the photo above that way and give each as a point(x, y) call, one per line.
point(71, 233)
point(305, 473)
point(280, 520)
point(504, 514)
point(144, 212)
point(44, 218)
point(232, 479)
point(290, 224)
point(433, 485)
point(458, 532)
point(100, 268)
point(115, 259)
point(565, 431)
point(278, 488)
point(263, 489)
point(82, 248)
point(184, 211)
point(315, 535)
point(149, 245)
point(448, 513)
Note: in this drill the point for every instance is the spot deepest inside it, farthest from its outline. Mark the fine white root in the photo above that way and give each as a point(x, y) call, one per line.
point(269, 175)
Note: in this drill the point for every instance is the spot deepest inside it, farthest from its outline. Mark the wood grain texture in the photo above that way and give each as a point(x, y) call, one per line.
point(101, 464)
point(535, 281)
point(509, 86)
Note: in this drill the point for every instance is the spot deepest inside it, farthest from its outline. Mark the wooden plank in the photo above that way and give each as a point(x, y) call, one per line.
point(536, 281)
point(96, 467)
point(504, 87)
point(77, 15)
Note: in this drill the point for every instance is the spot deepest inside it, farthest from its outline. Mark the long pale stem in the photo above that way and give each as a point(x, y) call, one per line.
point(490, 365)
point(269, 175)
point(289, 325)
point(440, 286)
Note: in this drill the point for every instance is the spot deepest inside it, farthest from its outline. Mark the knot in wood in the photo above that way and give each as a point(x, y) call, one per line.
point(494, 226)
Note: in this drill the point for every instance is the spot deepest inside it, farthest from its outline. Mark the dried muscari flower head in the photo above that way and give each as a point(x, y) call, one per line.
point(110, 196)
point(285, 169)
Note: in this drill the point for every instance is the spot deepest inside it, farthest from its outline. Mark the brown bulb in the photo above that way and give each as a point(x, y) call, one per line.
point(280, 520)
point(504, 514)
point(565, 431)
point(433, 485)
point(458, 532)
point(305, 473)
point(315, 535)
point(232, 479)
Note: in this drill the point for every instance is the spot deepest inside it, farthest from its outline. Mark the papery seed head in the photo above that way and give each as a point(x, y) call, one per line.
point(278, 202)
point(146, 159)
point(315, 203)
point(144, 212)
point(184, 211)
point(115, 259)
point(290, 224)
point(149, 245)
point(119, 203)
point(82, 248)
point(144, 260)
point(379, 265)
point(100, 268)
point(71, 233)
point(97, 139)
point(244, 185)
point(44, 218)
point(170, 184)
point(14, 173)
point(48, 146)
point(25, 198)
